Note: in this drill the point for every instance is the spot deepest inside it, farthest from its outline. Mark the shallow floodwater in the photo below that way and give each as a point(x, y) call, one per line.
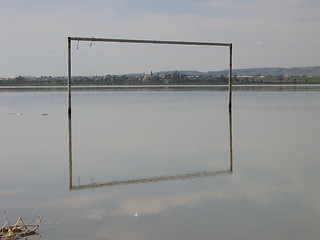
point(163, 163)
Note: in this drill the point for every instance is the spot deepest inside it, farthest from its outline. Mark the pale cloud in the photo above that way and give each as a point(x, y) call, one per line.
point(288, 45)
point(73, 201)
point(154, 205)
point(76, 200)
point(266, 194)
point(9, 192)
point(259, 43)
point(125, 204)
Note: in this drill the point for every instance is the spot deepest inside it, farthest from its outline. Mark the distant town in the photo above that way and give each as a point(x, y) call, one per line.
point(303, 75)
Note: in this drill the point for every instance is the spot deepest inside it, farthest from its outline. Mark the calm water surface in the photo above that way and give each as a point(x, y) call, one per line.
point(155, 163)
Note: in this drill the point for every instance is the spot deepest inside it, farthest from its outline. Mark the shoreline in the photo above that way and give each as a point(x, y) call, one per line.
point(235, 87)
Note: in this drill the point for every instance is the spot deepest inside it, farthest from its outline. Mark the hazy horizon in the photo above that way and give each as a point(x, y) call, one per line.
point(161, 71)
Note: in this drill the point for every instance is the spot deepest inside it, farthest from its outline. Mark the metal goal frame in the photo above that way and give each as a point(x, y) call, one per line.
point(86, 39)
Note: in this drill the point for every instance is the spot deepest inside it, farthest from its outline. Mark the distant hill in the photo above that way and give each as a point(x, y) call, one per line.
point(295, 71)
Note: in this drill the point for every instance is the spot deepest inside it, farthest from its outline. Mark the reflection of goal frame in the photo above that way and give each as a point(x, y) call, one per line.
point(229, 170)
point(70, 39)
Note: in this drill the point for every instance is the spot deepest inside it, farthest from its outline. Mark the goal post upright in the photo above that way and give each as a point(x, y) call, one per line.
point(230, 76)
point(70, 39)
point(69, 76)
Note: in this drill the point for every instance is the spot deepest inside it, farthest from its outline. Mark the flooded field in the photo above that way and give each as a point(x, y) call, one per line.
point(162, 162)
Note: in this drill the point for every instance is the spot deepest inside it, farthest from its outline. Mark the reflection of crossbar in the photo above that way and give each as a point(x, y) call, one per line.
point(150, 179)
point(153, 179)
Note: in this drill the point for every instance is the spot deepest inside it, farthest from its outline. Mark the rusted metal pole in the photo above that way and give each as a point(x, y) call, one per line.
point(230, 109)
point(70, 150)
point(69, 75)
point(69, 113)
point(230, 140)
point(230, 77)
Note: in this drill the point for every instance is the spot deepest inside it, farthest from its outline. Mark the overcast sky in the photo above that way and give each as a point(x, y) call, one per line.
point(264, 33)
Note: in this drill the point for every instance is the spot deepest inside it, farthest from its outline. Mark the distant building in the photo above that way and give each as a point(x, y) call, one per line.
point(244, 76)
